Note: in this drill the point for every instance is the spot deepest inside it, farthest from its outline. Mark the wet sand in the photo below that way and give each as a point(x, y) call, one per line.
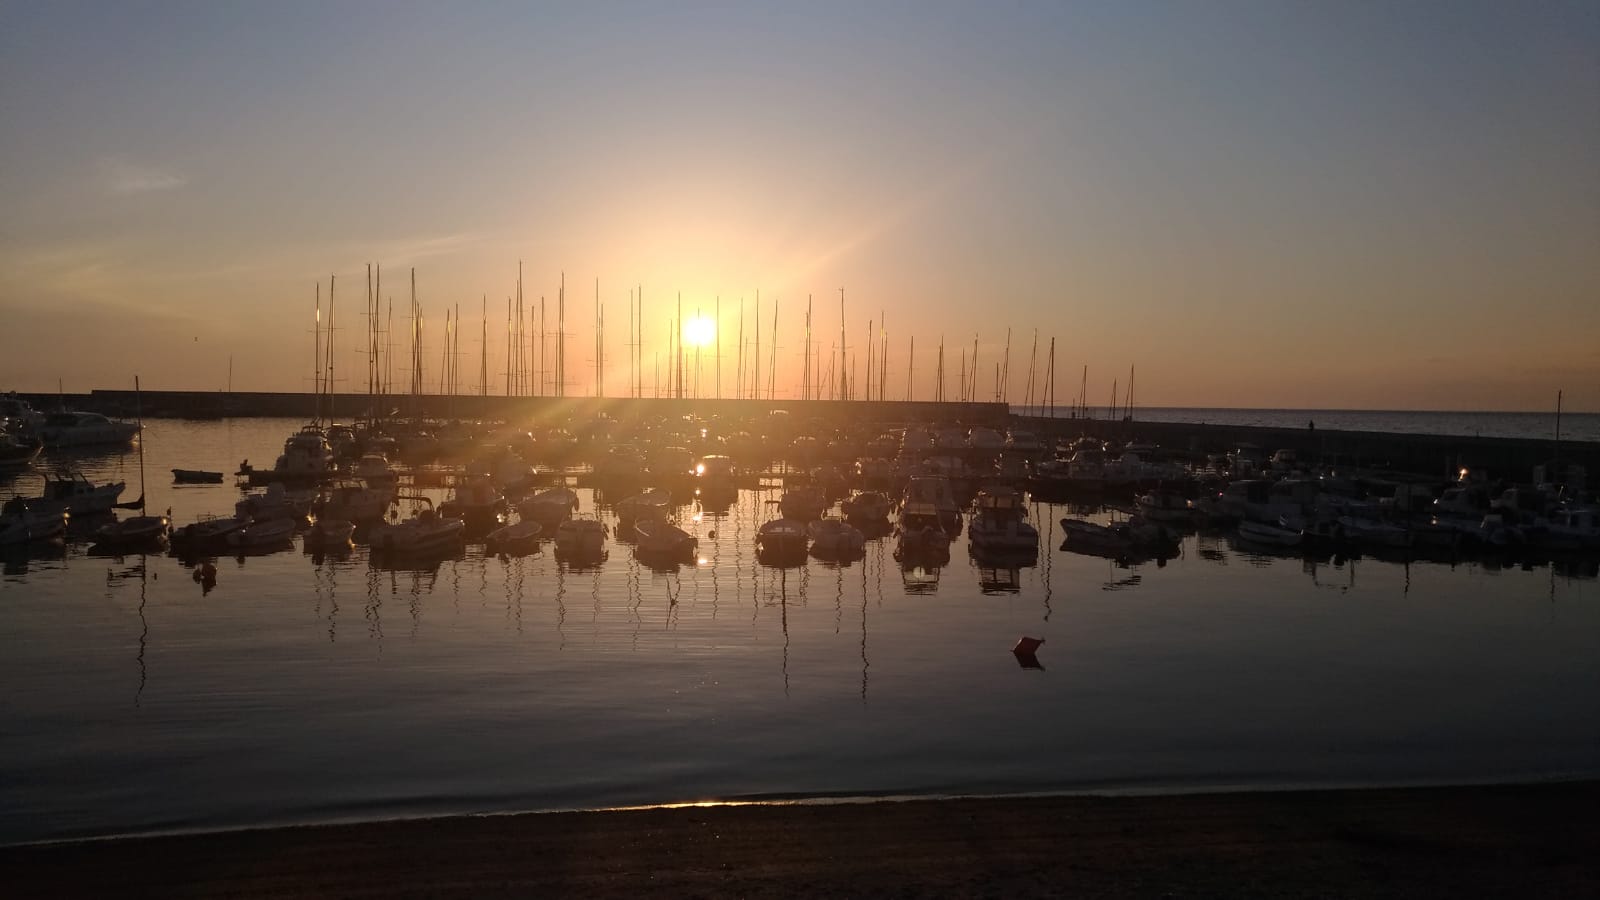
point(1501, 841)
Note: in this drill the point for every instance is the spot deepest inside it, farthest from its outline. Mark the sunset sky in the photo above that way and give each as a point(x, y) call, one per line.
point(1281, 204)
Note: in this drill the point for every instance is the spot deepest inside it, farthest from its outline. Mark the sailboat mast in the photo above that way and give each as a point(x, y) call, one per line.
point(316, 363)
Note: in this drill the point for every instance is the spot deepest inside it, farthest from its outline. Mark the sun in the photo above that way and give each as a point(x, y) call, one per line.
point(699, 332)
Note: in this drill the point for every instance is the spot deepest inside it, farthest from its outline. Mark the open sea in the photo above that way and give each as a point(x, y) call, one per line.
point(305, 688)
point(1533, 425)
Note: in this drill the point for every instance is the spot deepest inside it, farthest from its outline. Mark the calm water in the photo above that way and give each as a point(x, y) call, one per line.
point(1535, 425)
point(307, 689)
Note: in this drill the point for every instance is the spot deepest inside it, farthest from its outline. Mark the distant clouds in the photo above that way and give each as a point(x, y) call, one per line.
point(122, 176)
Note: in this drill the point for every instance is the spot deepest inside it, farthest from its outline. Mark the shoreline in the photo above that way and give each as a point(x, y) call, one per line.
point(1538, 839)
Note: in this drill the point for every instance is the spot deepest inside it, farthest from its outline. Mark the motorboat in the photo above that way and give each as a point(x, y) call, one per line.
point(355, 502)
point(270, 533)
point(374, 469)
point(20, 523)
point(424, 533)
point(1000, 523)
point(784, 538)
point(1376, 533)
point(276, 502)
point(868, 507)
point(477, 501)
point(196, 476)
point(651, 504)
point(1572, 528)
point(937, 492)
point(549, 507)
point(520, 537)
point(715, 467)
point(580, 539)
point(803, 503)
point(921, 531)
point(71, 492)
point(17, 451)
point(1164, 506)
point(835, 539)
point(1094, 539)
point(84, 429)
point(326, 532)
point(307, 457)
point(207, 531)
point(134, 531)
point(1276, 535)
point(662, 540)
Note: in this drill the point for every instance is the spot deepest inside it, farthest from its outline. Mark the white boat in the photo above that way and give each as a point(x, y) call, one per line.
point(134, 531)
point(72, 493)
point(276, 502)
point(20, 523)
point(477, 500)
point(1371, 531)
point(271, 533)
point(511, 538)
point(580, 539)
point(425, 533)
point(921, 533)
point(1000, 523)
point(835, 539)
point(1162, 506)
point(651, 504)
point(84, 429)
point(783, 539)
point(327, 532)
point(663, 540)
point(985, 440)
point(307, 456)
point(17, 451)
point(355, 502)
point(374, 469)
point(868, 507)
point(803, 503)
point(549, 507)
point(935, 491)
point(208, 530)
point(1276, 535)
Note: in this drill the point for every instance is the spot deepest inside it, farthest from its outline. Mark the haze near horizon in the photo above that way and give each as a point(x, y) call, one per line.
point(1318, 205)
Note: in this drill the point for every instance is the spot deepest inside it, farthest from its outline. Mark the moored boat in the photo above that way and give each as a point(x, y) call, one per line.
point(835, 539)
point(509, 539)
point(1277, 535)
point(1000, 523)
point(651, 504)
point(425, 533)
point(549, 507)
point(581, 539)
point(85, 429)
point(784, 539)
point(270, 533)
point(662, 540)
point(196, 476)
point(20, 523)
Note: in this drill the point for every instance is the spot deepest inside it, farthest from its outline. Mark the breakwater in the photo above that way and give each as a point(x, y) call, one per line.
point(1430, 455)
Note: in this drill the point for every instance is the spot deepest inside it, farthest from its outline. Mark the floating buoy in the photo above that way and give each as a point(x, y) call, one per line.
point(1024, 651)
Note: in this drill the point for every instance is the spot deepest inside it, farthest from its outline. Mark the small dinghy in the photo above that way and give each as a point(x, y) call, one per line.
point(836, 539)
point(664, 542)
point(519, 538)
point(651, 504)
point(581, 539)
point(424, 534)
point(549, 507)
point(195, 476)
point(20, 524)
point(783, 539)
point(868, 507)
point(134, 531)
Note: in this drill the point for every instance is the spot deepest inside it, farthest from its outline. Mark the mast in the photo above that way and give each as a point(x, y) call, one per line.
point(678, 328)
point(716, 336)
point(1004, 388)
point(772, 356)
point(483, 365)
point(844, 381)
point(316, 362)
point(756, 381)
point(327, 383)
point(805, 377)
point(738, 391)
point(911, 371)
point(561, 338)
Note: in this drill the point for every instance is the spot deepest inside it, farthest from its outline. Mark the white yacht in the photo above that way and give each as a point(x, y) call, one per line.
point(84, 429)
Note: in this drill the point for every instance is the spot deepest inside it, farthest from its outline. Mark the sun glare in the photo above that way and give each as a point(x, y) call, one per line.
point(699, 332)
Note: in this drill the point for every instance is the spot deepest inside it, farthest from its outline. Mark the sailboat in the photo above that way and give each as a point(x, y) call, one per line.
point(143, 529)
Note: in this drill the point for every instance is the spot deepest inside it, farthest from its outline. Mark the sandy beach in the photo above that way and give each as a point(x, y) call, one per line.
point(1522, 841)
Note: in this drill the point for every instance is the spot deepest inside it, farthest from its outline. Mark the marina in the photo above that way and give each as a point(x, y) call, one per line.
point(621, 665)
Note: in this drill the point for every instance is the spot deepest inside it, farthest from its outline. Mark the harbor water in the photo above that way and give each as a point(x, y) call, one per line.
point(303, 688)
